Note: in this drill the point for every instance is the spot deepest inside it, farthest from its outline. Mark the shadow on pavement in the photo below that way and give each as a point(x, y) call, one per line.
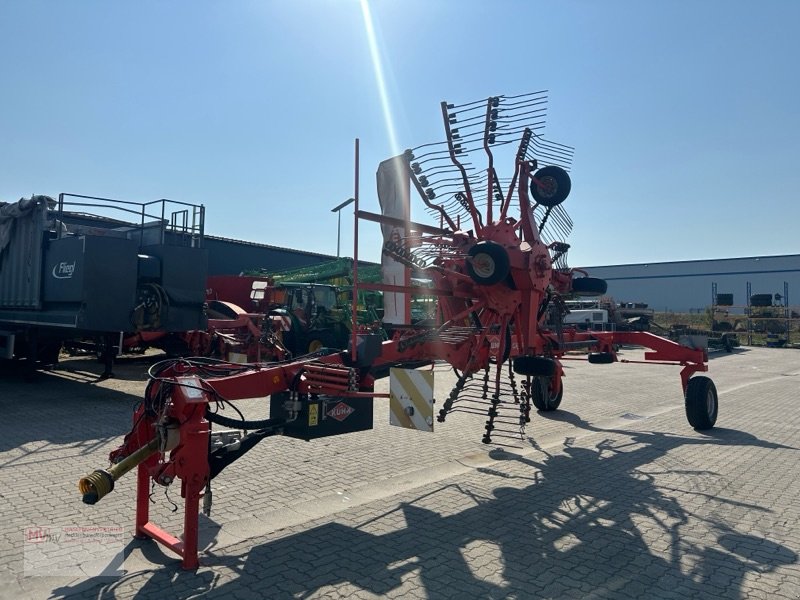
point(64, 406)
point(590, 522)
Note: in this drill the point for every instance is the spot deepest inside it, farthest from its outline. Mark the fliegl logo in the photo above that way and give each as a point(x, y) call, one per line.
point(64, 270)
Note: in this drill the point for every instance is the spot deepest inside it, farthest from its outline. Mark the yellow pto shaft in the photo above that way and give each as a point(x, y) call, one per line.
point(101, 482)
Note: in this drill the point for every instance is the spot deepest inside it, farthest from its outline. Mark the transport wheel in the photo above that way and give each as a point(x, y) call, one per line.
point(543, 396)
point(488, 263)
point(601, 358)
point(727, 344)
point(534, 366)
point(550, 186)
point(320, 339)
point(589, 286)
point(702, 404)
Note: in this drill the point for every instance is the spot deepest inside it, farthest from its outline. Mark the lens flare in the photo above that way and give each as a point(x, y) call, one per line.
point(379, 78)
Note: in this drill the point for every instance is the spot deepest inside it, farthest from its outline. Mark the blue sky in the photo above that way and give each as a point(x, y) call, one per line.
point(684, 115)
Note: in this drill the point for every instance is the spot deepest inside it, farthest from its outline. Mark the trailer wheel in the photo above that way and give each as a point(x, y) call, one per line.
point(543, 396)
point(488, 263)
point(601, 358)
point(702, 403)
point(727, 344)
point(321, 339)
point(550, 186)
point(589, 286)
point(534, 366)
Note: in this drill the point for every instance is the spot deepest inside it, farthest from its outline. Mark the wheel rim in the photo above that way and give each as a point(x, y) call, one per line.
point(483, 265)
point(710, 402)
point(315, 345)
point(548, 186)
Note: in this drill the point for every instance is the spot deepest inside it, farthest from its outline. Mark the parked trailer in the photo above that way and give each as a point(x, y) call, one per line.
point(70, 275)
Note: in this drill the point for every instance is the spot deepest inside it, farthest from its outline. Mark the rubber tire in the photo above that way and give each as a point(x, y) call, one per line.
point(556, 177)
point(534, 366)
point(497, 254)
point(589, 286)
point(321, 339)
point(702, 403)
point(601, 358)
point(727, 344)
point(540, 395)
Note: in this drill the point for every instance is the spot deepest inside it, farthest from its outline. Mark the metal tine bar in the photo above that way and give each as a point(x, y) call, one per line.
point(506, 118)
point(562, 215)
point(518, 129)
point(454, 206)
point(428, 145)
point(566, 152)
point(481, 102)
point(416, 158)
point(451, 112)
point(562, 233)
point(462, 107)
point(555, 227)
point(551, 151)
point(438, 181)
point(547, 156)
point(449, 185)
point(559, 227)
point(437, 170)
point(552, 160)
point(441, 179)
point(540, 139)
point(515, 106)
point(468, 138)
point(527, 94)
point(546, 160)
point(520, 119)
point(467, 122)
point(513, 136)
point(446, 167)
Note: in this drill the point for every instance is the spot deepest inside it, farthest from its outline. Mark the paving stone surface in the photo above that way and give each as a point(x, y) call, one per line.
point(613, 496)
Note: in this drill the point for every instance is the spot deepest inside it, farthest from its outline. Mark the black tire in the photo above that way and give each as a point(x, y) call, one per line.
point(321, 339)
point(727, 344)
point(702, 403)
point(534, 366)
point(601, 358)
point(589, 286)
point(542, 395)
point(489, 263)
point(550, 186)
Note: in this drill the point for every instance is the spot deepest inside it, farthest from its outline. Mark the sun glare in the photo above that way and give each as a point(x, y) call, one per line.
point(379, 78)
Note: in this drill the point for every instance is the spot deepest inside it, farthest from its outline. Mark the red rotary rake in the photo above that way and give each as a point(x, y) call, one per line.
point(497, 263)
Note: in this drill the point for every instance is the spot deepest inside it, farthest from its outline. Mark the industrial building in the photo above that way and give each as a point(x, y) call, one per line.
point(230, 257)
point(679, 286)
point(684, 286)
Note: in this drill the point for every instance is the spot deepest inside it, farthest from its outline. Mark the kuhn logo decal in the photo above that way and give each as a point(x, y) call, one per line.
point(64, 270)
point(341, 411)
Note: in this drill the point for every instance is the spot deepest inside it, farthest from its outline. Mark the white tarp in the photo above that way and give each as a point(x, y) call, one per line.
point(394, 195)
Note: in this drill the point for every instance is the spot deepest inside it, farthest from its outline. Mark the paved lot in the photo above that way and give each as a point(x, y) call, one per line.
point(615, 496)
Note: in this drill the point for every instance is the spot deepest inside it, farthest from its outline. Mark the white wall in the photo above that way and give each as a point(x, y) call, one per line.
point(681, 286)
